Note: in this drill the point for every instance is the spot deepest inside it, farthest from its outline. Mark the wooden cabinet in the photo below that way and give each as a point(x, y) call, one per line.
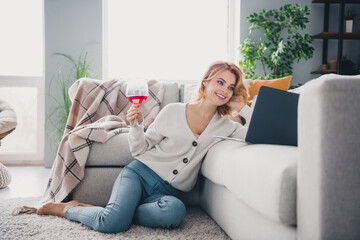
point(340, 35)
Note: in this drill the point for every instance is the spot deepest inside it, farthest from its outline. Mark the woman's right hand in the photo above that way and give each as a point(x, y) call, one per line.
point(133, 113)
point(237, 103)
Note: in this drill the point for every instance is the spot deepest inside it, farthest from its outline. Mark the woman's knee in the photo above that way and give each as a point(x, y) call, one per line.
point(111, 220)
point(173, 210)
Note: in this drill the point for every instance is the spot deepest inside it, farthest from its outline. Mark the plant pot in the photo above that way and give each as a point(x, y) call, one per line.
point(349, 25)
point(324, 67)
point(332, 64)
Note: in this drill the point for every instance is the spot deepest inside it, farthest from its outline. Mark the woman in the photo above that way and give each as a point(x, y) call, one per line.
point(167, 157)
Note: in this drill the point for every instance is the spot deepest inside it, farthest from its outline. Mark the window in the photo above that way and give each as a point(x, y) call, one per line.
point(22, 78)
point(168, 40)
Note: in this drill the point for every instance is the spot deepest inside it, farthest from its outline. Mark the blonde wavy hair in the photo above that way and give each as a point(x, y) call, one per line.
point(215, 69)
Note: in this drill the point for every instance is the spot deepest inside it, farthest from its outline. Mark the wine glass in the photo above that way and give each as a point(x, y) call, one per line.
point(137, 92)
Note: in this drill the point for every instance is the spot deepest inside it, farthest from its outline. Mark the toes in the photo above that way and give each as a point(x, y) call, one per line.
point(39, 211)
point(44, 209)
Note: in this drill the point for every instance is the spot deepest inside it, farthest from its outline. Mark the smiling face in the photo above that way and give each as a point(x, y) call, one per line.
point(218, 83)
point(220, 88)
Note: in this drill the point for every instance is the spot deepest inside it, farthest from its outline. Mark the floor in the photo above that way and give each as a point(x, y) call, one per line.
point(26, 182)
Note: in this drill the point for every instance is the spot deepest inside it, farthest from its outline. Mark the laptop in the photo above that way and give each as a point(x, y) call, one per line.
point(274, 119)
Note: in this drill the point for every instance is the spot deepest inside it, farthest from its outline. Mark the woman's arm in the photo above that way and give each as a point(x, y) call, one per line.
point(239, 105)
point(139, 141)
point(239, 131)
point(246, 112)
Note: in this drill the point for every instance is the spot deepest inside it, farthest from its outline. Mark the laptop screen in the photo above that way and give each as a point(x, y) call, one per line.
point(274, 120)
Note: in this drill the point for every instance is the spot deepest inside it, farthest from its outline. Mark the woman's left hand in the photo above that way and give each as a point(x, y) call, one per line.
point(237, 103)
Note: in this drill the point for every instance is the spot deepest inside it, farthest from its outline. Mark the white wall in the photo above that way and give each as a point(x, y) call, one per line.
point(72, 27)
point(301, 70)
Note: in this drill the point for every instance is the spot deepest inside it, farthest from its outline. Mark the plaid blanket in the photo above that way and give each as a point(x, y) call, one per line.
point(98, 112)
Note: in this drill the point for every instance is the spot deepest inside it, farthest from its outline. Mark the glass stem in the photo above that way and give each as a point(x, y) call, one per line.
point(136, 123)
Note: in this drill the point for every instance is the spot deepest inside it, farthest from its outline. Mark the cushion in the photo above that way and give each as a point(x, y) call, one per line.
point(280, 83)
point(262, 176)
point(190, 92)
point(5, 177)
point(171, 93)
point(113, 153)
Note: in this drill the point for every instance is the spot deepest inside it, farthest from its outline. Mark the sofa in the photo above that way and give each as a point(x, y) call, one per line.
point(264, 191)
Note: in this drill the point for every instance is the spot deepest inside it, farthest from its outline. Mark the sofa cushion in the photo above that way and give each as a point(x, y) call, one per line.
point(190, 92)
point(262, 176)
point(280, 83)
point(171, 93)
point(113, 153)
point(214, 162)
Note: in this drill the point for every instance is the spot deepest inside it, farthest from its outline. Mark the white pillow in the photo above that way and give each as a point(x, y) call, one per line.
point(5, 177)
point(190, 92)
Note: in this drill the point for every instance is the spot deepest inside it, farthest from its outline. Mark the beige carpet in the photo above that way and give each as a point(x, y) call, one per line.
point(196, 225)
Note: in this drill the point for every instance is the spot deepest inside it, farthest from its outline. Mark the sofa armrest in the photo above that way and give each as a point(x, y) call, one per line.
point(328, 198)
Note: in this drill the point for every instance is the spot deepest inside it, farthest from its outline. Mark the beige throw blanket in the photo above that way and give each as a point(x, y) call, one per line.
point(98, 112)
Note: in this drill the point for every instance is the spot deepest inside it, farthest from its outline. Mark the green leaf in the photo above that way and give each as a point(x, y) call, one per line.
point(57, 117)
point(272, 51)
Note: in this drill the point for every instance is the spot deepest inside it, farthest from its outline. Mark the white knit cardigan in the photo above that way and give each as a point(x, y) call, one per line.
point(170, 148)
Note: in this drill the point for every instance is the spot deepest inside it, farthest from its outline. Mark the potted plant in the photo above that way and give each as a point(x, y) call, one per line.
point(58, 115)
point(282, 44)
point(349, 17)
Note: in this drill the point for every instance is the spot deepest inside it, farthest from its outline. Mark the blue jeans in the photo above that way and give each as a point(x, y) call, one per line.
point(139, 195)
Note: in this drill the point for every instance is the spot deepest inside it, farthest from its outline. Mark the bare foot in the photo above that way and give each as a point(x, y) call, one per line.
point(58, 209)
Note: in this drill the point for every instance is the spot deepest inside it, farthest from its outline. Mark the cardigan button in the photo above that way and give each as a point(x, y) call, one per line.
point(194, 143)
point(175, 172)
point(185, 160)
